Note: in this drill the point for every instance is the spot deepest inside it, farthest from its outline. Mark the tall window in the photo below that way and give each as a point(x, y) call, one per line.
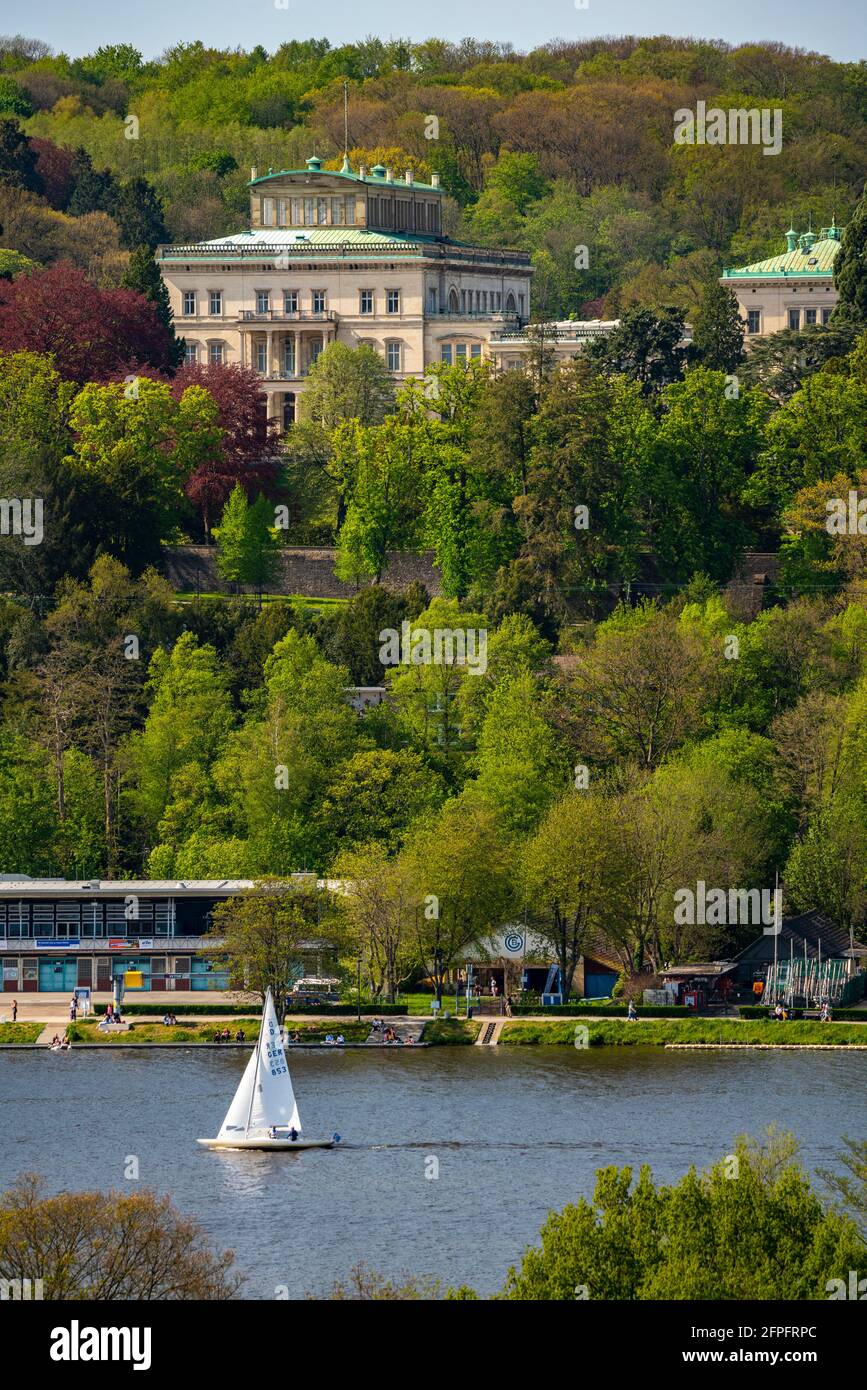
point(475, 349)
point(754, 320)
point(216, 354)
point(350, 211)
point(297, 210)
point(290, 301)
point(446, 354)
point(365, 301)
point(826, 315)
point(809, 316)
point(392, 356)
point(308, 211)
point(795, 318)
point(460, 353)
point(215, 302)
point(322, 211)
point(189, 302)
point(269, 212)
point(338, 211)
point(289, 357)
point(282, 211)
point(392, 301)
point(191, 352)
point(315, 351)
point(319, 301)
point(263, 301)
point(260, 357)
point(432, 300)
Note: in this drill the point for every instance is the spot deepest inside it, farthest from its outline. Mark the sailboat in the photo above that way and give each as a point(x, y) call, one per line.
point(264, 1112)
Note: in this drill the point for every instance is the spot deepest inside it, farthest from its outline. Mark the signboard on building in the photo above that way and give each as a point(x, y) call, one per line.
point(60, 944)
point(145, 942)
point(115, 943)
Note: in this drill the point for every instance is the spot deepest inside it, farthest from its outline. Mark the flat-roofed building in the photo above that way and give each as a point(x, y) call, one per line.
point(61, 934)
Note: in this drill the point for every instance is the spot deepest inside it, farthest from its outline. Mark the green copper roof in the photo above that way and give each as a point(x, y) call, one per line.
point(370, 180)
point(805, 260)
point(328, 242)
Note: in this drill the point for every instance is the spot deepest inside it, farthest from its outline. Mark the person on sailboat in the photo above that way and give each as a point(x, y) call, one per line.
point(293, 1134)
point(272, 1132)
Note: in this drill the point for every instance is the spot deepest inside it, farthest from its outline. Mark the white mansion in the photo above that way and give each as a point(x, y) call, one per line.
point(346, 257)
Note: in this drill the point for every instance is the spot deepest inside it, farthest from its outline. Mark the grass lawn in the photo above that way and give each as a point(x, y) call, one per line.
point(20, 1032)
point(657, 1032)
point(189, 596)
point(193, 1032)
point(450, 1031)
point(419, 1004)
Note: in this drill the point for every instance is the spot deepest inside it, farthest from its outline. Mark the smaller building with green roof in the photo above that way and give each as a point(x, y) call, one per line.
point(792, 290)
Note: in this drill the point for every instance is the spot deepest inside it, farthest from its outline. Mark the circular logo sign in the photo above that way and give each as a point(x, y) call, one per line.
point(513, 942)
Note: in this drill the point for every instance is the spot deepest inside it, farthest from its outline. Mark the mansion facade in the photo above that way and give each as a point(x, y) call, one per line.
point(793, 290)
point(339, 256)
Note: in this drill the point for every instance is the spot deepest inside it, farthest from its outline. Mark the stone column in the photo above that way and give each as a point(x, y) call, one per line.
point(297, 337)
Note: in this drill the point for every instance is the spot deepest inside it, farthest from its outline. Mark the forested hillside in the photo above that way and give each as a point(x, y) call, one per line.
point(568, 145)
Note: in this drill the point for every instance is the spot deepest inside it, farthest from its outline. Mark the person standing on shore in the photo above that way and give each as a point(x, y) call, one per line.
point(14, 1010)
point(73, 1009)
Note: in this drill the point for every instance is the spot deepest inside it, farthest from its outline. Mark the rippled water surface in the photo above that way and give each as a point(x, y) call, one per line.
point(516, 1132)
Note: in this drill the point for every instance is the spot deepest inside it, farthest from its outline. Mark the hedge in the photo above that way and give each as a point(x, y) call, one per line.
point(837, 1015)
point(249, 1010)
point(586, 1010)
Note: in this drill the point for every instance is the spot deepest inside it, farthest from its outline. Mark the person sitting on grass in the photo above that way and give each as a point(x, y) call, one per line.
point(167, 1020)
point(340, 1040)
point(239, 1036)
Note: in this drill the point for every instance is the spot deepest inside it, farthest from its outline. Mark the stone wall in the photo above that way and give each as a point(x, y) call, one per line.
point(304, 570)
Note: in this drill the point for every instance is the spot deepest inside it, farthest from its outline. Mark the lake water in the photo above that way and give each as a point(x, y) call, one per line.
point(516, 1132)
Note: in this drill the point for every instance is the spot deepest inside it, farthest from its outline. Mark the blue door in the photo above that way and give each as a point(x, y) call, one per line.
point(58, 974)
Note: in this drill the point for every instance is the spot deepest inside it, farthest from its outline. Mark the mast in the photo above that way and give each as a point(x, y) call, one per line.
point(256, 1072)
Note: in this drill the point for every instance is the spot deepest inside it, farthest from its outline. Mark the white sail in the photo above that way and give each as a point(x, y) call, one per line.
point(273, 1098)
point(236, 1115)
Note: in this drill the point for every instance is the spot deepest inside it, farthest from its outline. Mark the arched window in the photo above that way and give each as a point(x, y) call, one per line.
point(511, 307)
point(453, 302)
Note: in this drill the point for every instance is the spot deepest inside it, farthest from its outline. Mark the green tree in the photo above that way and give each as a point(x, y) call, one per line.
point(139, 211)
point(850, 271)
point(718, 329)
point(570, 873)
point(261, 932)
point(772, 1236)
point(142, 275)
point(460, 868)
point(383, 512)
point(189, 718)
point(247, 544)
point(17, 159)
point(138, 446)
point(347, 383)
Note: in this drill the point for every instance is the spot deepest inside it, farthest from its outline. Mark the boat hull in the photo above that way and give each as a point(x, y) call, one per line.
point(279, 1145)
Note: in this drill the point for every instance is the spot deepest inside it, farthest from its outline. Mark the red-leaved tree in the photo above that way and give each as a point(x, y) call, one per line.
point(248, 454)
point(91, 333)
